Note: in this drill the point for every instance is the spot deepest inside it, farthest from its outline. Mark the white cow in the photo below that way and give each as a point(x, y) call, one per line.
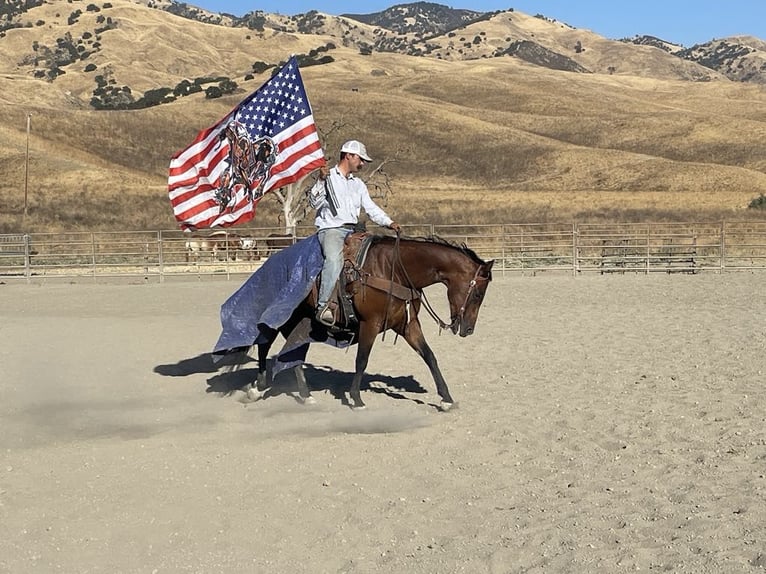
point(249, 248)
point(196, 247)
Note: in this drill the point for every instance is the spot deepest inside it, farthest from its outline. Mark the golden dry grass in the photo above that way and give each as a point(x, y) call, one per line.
point(482, 140)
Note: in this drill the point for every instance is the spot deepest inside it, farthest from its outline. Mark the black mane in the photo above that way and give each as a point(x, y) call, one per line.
point(462, 247)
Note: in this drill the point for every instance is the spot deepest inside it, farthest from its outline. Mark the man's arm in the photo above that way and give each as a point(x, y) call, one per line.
point(373, 210)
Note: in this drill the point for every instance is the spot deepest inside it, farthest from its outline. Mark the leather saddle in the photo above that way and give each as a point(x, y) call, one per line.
point(354, 279)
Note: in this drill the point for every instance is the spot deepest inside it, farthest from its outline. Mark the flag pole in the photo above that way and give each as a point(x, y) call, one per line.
point(26, 165)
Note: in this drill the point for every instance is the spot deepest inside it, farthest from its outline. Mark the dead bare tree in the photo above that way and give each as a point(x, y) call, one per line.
point(294, 204)
point(380, 182)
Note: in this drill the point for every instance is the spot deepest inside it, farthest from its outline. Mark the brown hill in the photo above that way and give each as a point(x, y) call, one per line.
point(739, 58)
point(591, 52)
point(484, 139)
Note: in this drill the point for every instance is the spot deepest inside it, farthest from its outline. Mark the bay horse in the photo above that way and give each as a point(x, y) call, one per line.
point(388, 294)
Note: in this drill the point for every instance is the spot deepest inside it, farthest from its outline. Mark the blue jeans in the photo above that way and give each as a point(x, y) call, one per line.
point(331, 240)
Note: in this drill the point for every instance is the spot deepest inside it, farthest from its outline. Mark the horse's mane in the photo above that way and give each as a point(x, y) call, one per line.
point(462, 247)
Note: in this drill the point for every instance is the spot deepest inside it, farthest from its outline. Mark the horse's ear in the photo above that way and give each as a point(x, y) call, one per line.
point(488, 267)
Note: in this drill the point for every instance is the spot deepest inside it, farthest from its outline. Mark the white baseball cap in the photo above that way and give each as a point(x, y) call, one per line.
point(353, 146)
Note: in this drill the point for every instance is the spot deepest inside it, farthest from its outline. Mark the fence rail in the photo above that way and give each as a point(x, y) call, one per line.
point(516, 248)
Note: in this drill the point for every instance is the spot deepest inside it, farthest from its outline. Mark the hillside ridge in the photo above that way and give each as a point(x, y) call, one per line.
point(486, 115)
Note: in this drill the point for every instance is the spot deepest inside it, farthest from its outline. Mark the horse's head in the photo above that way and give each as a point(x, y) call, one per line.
point(465, 297)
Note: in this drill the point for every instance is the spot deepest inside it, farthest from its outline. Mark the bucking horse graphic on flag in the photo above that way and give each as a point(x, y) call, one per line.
point(249, 165)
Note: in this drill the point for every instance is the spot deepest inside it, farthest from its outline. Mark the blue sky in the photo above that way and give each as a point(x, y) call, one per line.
point(686, 22)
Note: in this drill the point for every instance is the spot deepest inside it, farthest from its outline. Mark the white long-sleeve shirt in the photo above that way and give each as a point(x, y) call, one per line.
point(352, 196)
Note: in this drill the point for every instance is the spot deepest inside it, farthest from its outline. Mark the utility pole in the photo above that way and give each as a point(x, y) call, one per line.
point(26, 165)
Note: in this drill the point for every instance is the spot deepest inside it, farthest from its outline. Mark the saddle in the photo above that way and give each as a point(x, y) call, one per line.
point(353, 280)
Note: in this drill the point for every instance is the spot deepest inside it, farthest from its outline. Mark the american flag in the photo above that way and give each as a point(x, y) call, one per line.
point(268, 141)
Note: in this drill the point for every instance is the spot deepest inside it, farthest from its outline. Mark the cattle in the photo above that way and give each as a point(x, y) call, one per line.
point(215, 247)
point(196, 247)
point(233, 247)
point(226, 246)
point(229, 245)
point(248, 246)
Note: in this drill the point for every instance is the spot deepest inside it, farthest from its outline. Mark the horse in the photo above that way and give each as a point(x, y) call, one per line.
point(388, 294)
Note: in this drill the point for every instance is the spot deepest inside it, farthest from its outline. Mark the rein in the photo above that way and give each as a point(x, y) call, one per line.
point(391, 290)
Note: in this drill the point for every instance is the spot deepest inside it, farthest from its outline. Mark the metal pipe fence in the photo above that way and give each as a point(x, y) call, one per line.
point(574, 248)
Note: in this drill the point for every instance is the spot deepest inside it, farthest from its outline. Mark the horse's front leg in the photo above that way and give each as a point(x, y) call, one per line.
point(413, 334)
point(368, 330)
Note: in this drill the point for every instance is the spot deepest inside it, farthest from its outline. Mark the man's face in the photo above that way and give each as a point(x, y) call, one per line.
point(355, 162)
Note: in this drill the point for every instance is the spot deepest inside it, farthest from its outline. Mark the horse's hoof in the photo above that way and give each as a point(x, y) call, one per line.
point(253, 394)
point(307, 400)
point(359, 408)
point(444, 406)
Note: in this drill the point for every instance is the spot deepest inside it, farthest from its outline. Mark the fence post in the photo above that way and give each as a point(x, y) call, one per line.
point(502, 250)
point(648, 248)
point(27, 258)
point(723, 246)
point(93, 252)
point(575, 250)
point(160, 258)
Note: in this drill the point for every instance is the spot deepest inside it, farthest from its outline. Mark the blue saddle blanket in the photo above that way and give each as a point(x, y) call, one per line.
point(270, 295)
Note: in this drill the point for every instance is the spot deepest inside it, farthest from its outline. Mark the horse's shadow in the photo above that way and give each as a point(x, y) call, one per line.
point(229, 376)
point(200, 364)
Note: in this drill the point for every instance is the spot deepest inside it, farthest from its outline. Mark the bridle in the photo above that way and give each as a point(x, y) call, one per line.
point(471, 286)
point(456, 319)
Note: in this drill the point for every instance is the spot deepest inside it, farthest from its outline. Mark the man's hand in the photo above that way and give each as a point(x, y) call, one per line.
point(396, 227)
point(324, 171)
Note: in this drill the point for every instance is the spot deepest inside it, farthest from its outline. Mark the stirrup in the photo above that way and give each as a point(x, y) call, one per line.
point(326, 316)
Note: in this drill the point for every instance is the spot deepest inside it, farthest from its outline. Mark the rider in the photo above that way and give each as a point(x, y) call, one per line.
point(338, 196)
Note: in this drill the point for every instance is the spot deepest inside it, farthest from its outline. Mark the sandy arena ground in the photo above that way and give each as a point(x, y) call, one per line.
point(604, 424)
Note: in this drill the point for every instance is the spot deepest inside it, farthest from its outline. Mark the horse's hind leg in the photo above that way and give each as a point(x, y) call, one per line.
point(304, 395)
point(413, 334)
point(258, 388)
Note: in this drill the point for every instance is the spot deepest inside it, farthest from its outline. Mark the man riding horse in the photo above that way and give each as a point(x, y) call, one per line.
point(338, 197)
point(383, 289)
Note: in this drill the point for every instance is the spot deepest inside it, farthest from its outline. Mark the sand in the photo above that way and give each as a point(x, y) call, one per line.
point(603, 424)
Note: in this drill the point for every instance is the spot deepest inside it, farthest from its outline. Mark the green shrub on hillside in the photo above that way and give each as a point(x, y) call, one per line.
point(212, 92)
